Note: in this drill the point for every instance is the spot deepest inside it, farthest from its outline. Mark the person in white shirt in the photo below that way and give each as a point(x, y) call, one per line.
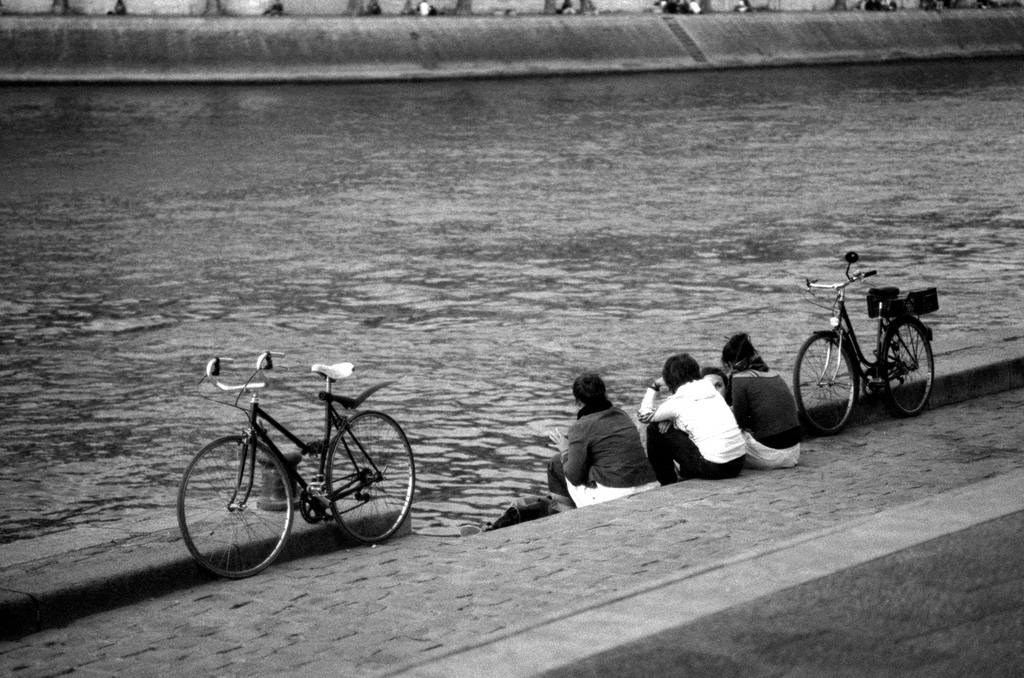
point(692, 433)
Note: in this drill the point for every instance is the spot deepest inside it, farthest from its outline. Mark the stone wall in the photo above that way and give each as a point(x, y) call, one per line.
point(269, 49)
point(393, 7)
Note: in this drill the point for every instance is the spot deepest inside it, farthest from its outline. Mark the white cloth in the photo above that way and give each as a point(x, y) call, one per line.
point(701, 412)
point(762, 457)
point(584, 495)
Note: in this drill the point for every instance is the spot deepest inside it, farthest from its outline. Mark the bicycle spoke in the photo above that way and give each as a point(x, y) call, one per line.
point(909, 367)
point(372, 477)
point(225, 537)
point(824, 384)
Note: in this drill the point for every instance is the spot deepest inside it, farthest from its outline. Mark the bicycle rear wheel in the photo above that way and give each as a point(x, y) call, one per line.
point(371, 476)
point(825, 384)
point(909, 366)
point(235, 508)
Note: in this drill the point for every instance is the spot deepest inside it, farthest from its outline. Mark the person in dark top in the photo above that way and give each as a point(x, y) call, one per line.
point(601, 457)
point(764, 406)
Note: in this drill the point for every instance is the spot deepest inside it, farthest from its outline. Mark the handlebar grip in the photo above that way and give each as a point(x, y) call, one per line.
point(265, 361)
point(868, 274)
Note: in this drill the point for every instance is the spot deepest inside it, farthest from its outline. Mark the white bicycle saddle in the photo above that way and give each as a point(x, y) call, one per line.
point(334, 372)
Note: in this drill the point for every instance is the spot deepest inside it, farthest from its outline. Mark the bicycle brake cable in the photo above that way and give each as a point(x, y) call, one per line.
point(215, 400)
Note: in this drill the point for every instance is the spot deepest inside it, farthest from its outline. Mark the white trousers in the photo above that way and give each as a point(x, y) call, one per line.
point(762, 457)
point(587, 496)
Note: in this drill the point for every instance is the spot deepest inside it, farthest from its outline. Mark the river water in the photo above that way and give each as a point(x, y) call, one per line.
point(481, 242)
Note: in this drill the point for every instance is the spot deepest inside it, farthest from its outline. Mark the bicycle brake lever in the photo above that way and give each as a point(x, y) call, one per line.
point(265, 361)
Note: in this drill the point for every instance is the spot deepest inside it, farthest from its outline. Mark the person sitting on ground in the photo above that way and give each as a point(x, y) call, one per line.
point(702, 438)
point(764, 407)
point(601, 458)
point(718, 378)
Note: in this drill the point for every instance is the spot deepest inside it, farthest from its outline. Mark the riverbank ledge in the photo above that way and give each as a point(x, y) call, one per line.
point(218, 49)
point(877, 463)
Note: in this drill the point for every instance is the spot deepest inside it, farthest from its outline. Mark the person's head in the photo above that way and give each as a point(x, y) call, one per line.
point(739, 355)
point(680, 369)
point(589, 389)
point(716, 377)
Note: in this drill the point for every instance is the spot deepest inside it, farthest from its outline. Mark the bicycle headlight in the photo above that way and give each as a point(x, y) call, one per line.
point(834, 321)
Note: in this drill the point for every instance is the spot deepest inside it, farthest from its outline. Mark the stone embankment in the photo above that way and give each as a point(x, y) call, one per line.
point(878, 463)
point(528, 599)
point(382, 48)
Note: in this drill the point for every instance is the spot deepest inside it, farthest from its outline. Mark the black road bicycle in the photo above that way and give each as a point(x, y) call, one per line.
point(831, 368)
point(238, 495)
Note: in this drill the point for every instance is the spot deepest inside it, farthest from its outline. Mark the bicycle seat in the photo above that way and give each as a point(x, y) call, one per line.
point(333, 373)
point(880, 293)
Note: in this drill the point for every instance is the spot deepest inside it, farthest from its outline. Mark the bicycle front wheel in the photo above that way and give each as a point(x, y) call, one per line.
point(235, 508)
point(371, 476)
point(825, 384)
point(909, 366)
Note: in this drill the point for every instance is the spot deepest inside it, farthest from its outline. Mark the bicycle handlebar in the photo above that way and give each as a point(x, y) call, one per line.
point(264, 362)
point(856, 277)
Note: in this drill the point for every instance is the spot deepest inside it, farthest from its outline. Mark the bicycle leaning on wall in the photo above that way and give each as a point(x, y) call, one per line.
point(237, 496)
point(831, 368)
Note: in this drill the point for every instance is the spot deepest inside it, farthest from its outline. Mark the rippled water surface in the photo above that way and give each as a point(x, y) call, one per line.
point(482, 242)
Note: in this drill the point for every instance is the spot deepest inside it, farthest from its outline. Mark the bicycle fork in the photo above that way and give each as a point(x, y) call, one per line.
point(837, 349)
point(246, 476)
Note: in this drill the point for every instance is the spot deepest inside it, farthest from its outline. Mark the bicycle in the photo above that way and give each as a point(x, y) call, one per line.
point(830, 366)
point(238, 495)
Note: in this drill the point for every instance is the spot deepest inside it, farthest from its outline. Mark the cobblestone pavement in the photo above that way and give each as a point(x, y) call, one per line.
point(371, 611)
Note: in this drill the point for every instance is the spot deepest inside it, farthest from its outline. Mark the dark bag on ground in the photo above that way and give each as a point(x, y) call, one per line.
point(523, 510)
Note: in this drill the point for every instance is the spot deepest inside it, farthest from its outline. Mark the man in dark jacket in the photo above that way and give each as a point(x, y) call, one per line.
point(601, 458)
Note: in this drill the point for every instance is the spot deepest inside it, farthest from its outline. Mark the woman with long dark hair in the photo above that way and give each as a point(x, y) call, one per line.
point(764, 406)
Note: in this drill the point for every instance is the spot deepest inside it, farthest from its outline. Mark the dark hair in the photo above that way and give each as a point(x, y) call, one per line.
point(740, 355)
point(680, 369)
point(589, 389)
point(705, 371)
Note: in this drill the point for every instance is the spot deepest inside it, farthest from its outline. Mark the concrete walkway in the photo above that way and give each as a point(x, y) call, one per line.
point(649, 628)
point(539, 595)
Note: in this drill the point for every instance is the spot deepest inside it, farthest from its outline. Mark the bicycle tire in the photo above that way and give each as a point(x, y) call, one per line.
point(373, 442)
point(228, 537)
point(825, 384)
point(909, 366)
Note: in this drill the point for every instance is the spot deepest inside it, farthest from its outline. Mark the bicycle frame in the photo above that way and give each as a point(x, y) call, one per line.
point(256, 431)
point(864, 365)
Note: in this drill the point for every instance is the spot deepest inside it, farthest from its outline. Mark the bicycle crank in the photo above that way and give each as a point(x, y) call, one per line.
point(313, 508)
